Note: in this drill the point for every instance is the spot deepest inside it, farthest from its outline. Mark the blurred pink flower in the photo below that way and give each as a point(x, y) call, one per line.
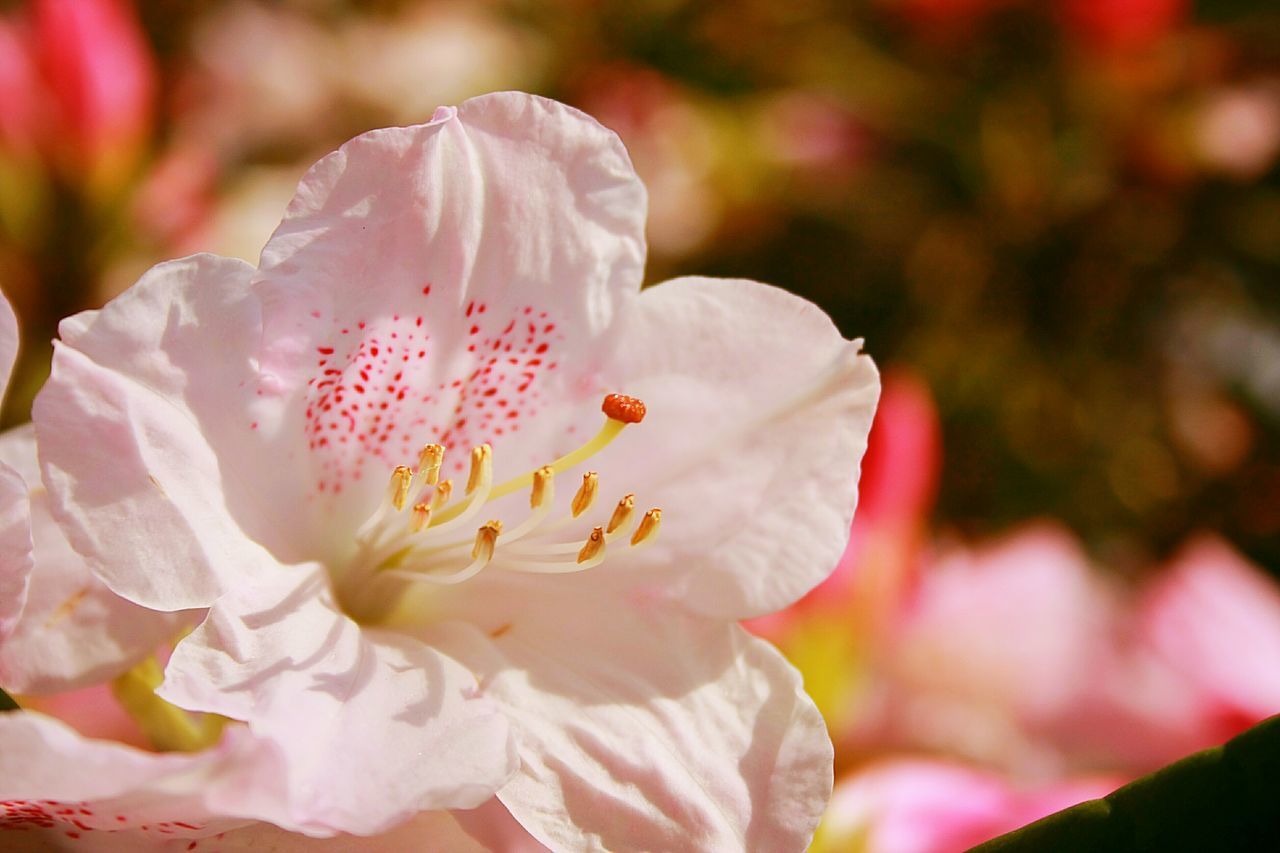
point(913, 805)
point(79, 85)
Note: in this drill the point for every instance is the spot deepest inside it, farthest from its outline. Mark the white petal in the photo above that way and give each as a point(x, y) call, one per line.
point(51, 775)
point(453, 283)
point(758, 414)
point(644, 729)
point(73, 630)
point(375, 726)
point(148, 441)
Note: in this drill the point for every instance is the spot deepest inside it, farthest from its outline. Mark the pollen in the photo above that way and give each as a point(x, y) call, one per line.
point(429, 461)
point(542, 486)
point(586, 495)
point(648, 528)
point(401, 480)
point(620, 407)
point(593, 547)
point(621, 513)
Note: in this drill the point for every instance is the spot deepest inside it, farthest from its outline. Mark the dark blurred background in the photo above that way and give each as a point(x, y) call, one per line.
point(1063, 214)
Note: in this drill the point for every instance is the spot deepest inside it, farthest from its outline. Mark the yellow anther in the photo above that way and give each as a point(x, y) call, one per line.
point(621, 513)
point(444, 491)
point(542, 486)
point(586, 493)
point(421, 518)
point(486, 541)
point(648, 527)
point(593, 547)
point(429, 461)
point(401, 480)
point(481, 459)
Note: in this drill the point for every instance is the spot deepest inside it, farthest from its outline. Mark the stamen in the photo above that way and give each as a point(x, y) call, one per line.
point(486, 541)
point(401, 480)
point(648, 528)
point(421, 517)
point(481, 458)
point(621, 411)
point(594, 546)
point(429, 461)
point(586, 493)
point(621, 513)
point(542, 486)
point(444, 491)
point(481, 553)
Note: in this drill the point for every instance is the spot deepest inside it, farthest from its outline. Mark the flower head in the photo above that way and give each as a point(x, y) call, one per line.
point(356, 457)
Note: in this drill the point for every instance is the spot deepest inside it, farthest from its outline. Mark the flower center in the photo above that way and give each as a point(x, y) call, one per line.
point(421, 534)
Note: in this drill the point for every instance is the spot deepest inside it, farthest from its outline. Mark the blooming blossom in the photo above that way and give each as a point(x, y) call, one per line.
point(355, 457)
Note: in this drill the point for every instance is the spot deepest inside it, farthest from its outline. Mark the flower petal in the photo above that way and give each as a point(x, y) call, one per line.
point(73, 630)
point(758, 416)
point(920, 806)
point(644, 729)
point(52, 778)
point(15, 529)
point(8, 342)
point(449, 283)
point(375, 726)
point(148, 439)
point(16, 559)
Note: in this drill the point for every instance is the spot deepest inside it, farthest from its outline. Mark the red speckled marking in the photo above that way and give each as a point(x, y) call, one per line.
point(374, 398)
point(73, 818)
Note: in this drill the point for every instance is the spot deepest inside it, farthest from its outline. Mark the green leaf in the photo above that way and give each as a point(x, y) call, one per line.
point(1225, 798)
point(7, 703)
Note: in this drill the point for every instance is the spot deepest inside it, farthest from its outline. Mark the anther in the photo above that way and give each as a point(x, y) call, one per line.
point(481, 458)
point(421, 517)
point(593, 547)
point(621, 513)
point(586, 493)
point(486, 541)
point(542, 486)
point(620, 407)
point(429, 461)
point(444, 491)
point(648, 527)
point(401, 480)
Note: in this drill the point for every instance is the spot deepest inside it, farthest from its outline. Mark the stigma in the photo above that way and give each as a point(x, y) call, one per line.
point(422, 532)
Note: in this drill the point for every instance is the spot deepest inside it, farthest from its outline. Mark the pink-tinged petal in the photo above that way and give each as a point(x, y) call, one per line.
point(1215, 620)
point(52, 778)
point(73, 631)
point(641, 728)
point(492, 826)
point(920, 806)
point(375, 725)
point(16, 559)
point(431, 832)
point(148, 438)
point(93, 712)
point(452, 282)
point(8, 342)
point(758, 414)
point(15, 523)
point(955, 680)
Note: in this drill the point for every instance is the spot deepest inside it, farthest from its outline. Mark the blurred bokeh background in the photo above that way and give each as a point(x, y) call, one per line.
point(1057, 220)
